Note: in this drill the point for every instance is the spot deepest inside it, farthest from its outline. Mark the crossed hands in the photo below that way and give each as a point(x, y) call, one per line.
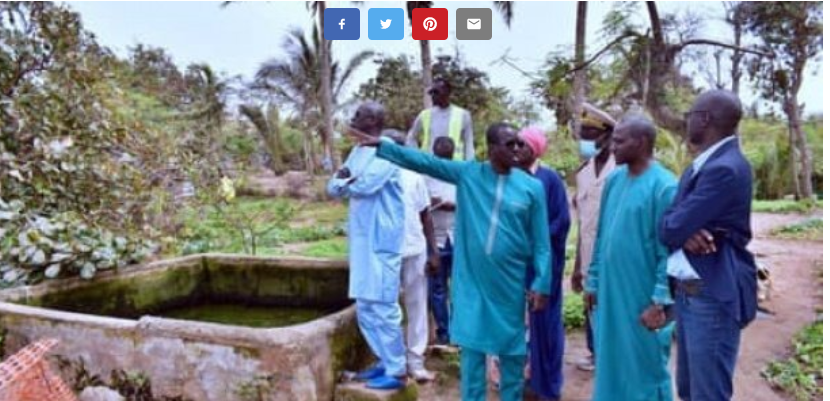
point(701, 243)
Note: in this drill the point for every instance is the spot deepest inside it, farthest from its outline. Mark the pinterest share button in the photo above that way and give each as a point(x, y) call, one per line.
point(430, 24)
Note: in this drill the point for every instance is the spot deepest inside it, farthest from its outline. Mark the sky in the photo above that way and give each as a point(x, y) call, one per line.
point(236, 39)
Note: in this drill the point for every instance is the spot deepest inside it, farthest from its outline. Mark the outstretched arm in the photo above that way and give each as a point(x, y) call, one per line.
point(421, 162)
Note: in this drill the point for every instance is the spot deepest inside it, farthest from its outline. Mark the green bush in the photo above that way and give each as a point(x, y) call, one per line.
point(573, 312)
point(801, 374)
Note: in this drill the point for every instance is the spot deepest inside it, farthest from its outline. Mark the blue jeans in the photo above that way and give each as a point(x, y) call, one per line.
point(708, 339)
point(439, 293)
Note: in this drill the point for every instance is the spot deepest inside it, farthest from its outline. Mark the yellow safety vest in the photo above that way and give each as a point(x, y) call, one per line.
point(456, 116)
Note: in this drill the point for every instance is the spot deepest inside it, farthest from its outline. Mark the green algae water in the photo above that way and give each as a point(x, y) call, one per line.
point(243, 315)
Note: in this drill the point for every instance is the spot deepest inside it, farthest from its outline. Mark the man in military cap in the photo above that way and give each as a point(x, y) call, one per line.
point(595, 148)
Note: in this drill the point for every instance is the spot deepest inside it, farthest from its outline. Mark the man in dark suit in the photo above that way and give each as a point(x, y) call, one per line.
point(707, 229)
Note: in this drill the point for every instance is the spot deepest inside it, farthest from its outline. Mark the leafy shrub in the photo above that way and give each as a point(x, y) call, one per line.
point(801, 374)
point(59, 246)
point(573, 313)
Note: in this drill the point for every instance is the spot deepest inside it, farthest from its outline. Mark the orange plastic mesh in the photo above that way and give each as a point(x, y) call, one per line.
point(26, 376)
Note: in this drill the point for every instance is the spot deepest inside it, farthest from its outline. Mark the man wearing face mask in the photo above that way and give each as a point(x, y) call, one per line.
point(595, 146)
point(443, 119)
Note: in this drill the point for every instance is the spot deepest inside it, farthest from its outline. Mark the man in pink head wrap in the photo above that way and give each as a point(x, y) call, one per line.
point(537, 140)
point(547, 332)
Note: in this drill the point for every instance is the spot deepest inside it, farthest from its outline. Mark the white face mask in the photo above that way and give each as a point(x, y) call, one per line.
point(587, 149)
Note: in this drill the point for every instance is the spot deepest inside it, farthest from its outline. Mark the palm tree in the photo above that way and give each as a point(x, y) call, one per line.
point(503, 7)
point(327, 133)
point(579, 76)
point(296, 81)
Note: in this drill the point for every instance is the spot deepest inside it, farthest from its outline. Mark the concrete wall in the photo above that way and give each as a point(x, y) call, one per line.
point(200, 361)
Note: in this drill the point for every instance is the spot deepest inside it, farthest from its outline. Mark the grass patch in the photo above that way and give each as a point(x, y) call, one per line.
point(323, 213)
point(785, 206)
point(810, 229)
point(335, 248)
point(800, 375)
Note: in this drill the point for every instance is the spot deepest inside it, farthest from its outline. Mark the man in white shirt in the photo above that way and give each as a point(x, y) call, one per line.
point(418, 234)
point(442, 196)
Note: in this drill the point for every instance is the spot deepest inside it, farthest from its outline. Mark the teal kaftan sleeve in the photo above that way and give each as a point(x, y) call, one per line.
point(542, 257)
point(662, 295)
point(421, 162)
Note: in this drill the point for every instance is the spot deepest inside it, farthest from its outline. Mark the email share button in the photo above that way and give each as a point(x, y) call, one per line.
point(473, 24)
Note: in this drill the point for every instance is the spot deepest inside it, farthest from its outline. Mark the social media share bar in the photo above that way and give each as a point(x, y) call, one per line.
point(390, 23)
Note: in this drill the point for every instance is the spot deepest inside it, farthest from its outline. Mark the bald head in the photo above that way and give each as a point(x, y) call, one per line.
point(640, 127)
point(369, 118)
point(714, 115)
point(633, 139)
point(724, 107)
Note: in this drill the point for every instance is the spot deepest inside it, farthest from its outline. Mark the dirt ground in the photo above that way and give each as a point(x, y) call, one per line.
point(796, 293)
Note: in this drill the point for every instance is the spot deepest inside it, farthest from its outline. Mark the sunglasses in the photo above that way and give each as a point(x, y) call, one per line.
point(515, 143)
point(688, 115)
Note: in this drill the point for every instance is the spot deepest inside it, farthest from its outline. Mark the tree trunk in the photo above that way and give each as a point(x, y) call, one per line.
point(308, 141)
point(579, 59)
point(660, 60)
point(426, 72)
point(327, 138)
point(802, 160)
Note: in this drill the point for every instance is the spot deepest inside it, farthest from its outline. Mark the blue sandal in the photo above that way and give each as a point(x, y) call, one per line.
point(385, 383)
point(377, 370)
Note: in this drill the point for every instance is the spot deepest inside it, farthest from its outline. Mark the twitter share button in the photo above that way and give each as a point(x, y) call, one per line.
point(386, 23)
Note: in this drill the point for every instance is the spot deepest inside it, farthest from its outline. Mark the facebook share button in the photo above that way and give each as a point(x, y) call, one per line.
point(341, 24)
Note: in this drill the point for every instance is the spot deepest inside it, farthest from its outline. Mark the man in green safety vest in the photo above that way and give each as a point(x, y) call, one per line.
point(443, 119)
